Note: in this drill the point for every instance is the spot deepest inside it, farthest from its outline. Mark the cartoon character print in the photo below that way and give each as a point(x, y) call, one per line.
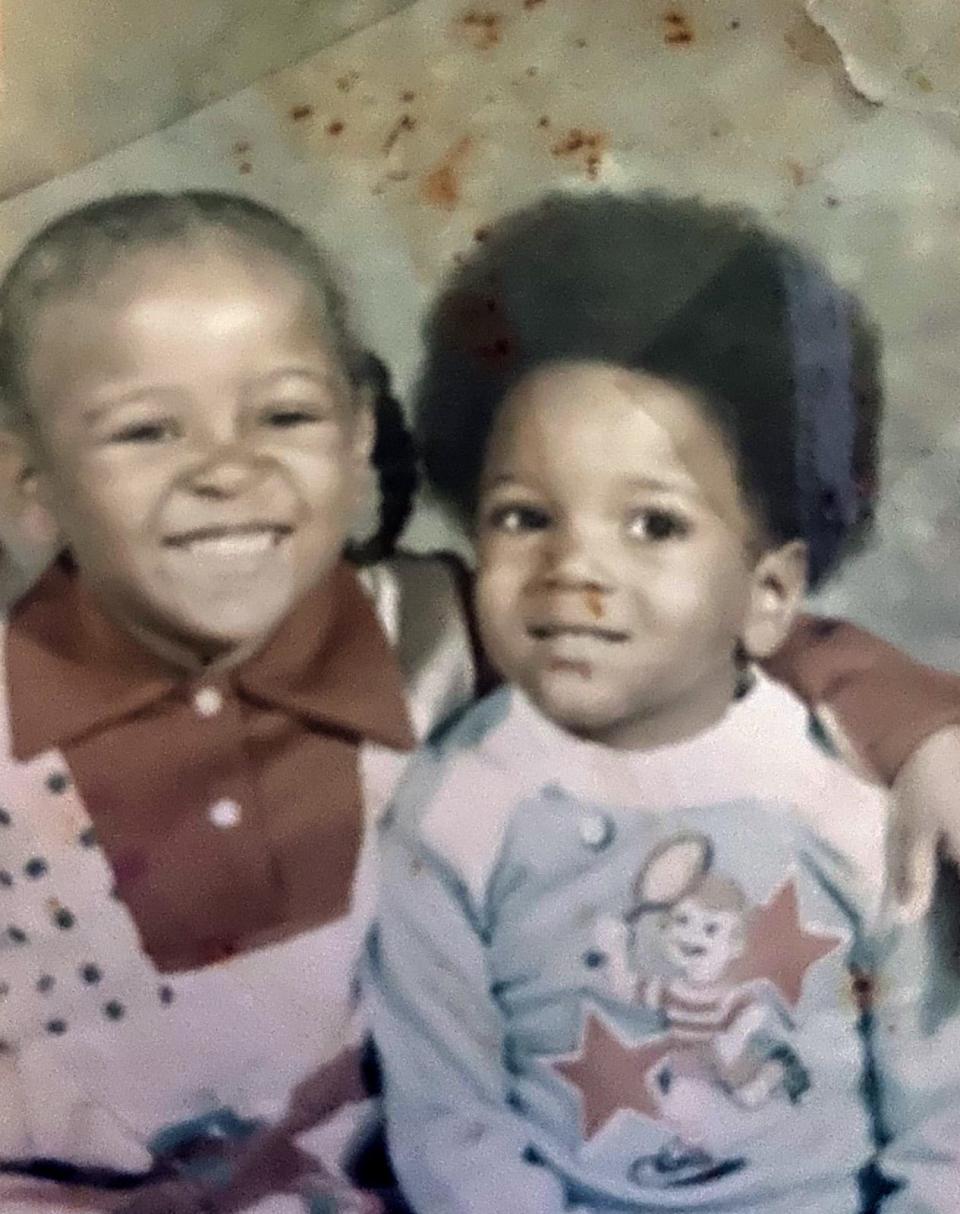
point(730, 1033)
point(724, 976)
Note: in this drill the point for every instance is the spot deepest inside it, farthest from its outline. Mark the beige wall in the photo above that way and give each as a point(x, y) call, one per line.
point(85, 76)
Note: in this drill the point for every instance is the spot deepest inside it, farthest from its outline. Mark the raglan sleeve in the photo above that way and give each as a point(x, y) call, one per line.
point(456, 1144)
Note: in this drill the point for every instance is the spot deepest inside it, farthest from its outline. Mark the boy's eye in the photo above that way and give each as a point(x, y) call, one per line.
point(515, 519)
point(143, 432)
point(657, 525)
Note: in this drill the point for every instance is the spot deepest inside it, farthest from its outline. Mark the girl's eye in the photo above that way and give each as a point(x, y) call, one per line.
point(657, 525)
point(515, 520)
point(711, 929)
point(286, 417)
point(143, 432)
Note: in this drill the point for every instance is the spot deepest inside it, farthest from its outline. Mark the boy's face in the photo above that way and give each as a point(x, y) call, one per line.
point(196, 441)
point(701, 942)
point(615, 574)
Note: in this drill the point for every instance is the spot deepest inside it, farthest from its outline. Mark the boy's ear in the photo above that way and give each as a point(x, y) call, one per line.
point(779, 585)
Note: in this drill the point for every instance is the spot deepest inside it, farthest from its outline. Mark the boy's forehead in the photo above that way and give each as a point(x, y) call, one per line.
point(618, 426)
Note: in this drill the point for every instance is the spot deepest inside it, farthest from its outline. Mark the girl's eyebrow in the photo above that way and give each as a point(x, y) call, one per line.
point(96, 413)
point(324, 378)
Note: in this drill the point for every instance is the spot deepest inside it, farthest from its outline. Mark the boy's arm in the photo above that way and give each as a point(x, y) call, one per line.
point(456, 1144)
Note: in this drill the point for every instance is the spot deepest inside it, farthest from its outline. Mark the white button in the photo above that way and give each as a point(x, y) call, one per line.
point(225, 813)
point(595, 830)
point(208, 701)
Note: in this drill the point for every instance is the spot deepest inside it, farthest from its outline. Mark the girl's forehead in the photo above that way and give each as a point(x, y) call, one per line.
point(155, 292)
point(162, 317)
point(213, 265)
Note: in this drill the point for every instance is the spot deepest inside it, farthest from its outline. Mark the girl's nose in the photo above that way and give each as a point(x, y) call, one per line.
point(227, 470)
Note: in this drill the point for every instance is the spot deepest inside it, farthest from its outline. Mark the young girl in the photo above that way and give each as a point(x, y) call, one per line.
point(205, 707)
point(634, 950)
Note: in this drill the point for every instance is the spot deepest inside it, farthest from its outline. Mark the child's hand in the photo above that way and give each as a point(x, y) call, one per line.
point(926, 811)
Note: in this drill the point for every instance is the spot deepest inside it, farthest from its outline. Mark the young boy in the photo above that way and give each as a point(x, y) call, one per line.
point(649, 505)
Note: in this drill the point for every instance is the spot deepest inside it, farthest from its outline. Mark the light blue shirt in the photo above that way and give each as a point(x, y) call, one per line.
point(629, 982)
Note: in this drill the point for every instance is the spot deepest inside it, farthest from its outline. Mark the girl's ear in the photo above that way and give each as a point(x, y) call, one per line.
point(364, 422)
point(779, 585)
point(28, 530)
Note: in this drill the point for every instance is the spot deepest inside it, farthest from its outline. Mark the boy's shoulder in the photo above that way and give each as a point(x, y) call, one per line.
point(462, 789)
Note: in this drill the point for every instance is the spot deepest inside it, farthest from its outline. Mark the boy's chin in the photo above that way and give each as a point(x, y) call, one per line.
point(581, 716)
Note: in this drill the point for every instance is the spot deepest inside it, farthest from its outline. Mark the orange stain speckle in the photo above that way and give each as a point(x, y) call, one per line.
point(408, 96)
point(441, 186)
point(481, 234)
point(336, 127)
point(246, 167)
point(590, 145)
point(299, 112)
point(528, 4)
point(485, 28)
point(346, 83)
point(798, 174)
point(677, 30)
point(544, 122)
point(241, 147)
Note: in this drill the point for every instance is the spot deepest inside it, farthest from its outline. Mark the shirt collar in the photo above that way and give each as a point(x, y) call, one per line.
point(72, 671)
point(718, 763)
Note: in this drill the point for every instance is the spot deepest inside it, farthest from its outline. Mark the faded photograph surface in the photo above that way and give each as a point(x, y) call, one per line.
point(479, 630)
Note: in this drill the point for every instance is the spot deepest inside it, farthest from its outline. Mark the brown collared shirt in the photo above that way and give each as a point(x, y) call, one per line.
point(229, 807)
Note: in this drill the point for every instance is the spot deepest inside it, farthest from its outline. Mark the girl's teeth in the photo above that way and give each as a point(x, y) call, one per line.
point(233, 545)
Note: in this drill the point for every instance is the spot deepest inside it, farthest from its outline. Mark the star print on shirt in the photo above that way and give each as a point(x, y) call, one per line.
point(612, 1074)
point(779, 948)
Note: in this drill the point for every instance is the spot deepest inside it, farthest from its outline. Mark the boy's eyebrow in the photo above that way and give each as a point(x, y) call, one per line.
point(653, 485)
point(505, 478)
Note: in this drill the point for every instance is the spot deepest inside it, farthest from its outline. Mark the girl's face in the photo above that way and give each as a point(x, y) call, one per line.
point(197, 442)
point(618, 565)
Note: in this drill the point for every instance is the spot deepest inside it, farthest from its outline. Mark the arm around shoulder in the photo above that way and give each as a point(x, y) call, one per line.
point(886, 704)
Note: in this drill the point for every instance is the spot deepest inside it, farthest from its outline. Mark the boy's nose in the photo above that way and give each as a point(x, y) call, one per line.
point(571, 562)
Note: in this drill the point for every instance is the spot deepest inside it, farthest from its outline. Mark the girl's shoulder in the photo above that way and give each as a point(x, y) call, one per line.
point(422, 601)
